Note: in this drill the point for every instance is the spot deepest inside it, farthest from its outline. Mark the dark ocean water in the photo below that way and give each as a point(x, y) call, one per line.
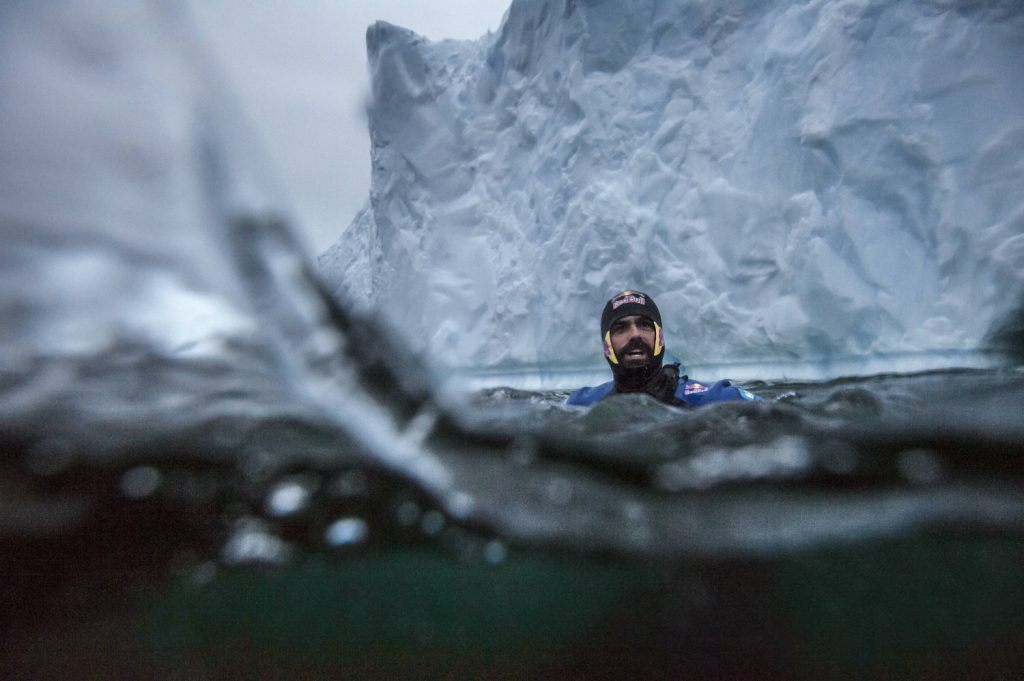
point(289, 498)
point(866, 527)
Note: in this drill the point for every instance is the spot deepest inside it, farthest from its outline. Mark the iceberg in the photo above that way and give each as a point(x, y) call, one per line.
point(799, 182)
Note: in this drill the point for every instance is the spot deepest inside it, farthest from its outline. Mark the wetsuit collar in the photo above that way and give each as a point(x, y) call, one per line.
point(661, 385)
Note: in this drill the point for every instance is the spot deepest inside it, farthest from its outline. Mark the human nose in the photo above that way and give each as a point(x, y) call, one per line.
point(630, 330)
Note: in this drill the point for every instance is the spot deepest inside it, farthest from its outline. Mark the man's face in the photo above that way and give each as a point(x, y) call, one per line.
point(633, 340)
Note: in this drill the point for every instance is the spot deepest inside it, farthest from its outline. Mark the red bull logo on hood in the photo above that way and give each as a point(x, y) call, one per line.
point(628, 297)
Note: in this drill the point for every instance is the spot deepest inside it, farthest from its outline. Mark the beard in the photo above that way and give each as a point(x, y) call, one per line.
point(635, 362)
point(634, 373)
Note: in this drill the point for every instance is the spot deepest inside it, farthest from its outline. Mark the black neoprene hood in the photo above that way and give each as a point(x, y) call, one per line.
point(625, 304)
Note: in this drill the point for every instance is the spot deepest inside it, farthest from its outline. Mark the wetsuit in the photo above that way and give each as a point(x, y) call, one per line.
point(671, 388)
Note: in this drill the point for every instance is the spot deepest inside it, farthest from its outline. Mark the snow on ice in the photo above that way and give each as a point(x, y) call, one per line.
point(794, 181)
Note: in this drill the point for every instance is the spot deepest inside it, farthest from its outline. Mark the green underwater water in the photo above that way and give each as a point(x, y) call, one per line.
point(925, 607)
point(934, 605)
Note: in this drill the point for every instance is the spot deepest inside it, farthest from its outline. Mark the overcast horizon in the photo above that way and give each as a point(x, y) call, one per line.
point(299, 71)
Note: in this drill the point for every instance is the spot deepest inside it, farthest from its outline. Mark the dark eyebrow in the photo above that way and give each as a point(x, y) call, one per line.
point(641, 321)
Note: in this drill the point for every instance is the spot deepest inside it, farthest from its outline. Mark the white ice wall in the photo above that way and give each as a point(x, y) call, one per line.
point(791, 180)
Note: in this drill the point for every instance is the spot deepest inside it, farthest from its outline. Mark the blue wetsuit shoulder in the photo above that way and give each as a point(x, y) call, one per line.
point(697, 394)
point(584, 397)
point(691, 393)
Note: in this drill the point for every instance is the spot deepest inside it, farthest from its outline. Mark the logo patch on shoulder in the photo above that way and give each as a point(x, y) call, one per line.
point(693, 388)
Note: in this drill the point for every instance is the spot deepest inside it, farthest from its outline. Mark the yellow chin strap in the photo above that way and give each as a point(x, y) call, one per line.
point(659, 344)
point(609, 352)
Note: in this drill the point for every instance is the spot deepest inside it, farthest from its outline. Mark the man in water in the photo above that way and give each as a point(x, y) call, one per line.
point(634, 346)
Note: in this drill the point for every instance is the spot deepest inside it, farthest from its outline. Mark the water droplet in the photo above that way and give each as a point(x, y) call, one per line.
point(347, 531)
point(495, 552)
point(460, 504)
point(140, 482)
point(432, 523)
point(408, 513)
point(252, 542)
point(287, 497)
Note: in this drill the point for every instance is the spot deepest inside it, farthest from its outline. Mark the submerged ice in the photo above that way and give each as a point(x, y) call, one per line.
point(793, 181)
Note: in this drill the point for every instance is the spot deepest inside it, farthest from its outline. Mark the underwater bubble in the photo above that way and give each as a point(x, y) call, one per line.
point(288, 497)
point(347, 531)
point(460, 504)
point(919, 466)
point(408, 513)
point(252, 542)
point(49, 456)
point(432, 523)
point(140, 482)
point(495, 552)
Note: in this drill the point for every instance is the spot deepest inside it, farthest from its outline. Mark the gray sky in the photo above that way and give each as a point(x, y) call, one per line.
point(299, 69)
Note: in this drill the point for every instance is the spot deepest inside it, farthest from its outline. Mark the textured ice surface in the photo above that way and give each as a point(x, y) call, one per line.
point(793, 181)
